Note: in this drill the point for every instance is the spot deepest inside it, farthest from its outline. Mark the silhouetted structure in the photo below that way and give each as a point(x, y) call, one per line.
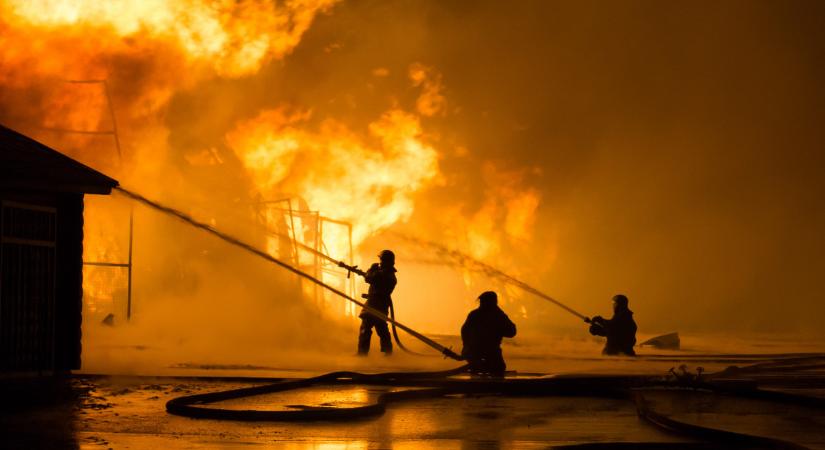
point(41, 251)
point(382, 281)
point(620, 330)
point(482, 333)
point(668, 341)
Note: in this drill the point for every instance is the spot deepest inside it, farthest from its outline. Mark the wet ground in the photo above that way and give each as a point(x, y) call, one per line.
point(127, 412)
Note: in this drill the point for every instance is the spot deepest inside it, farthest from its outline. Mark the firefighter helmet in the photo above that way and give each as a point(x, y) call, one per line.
point(387, 256)
point(488, 297)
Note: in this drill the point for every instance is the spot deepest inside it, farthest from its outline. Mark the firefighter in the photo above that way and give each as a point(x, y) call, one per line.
point(381, 279)
point(481, 335)
point(620, 330)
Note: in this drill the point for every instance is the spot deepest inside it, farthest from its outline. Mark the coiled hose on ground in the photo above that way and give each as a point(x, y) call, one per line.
point(441, 383)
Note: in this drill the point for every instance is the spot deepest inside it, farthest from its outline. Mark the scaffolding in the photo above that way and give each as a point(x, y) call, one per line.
point(303, 237)
point(113, 133)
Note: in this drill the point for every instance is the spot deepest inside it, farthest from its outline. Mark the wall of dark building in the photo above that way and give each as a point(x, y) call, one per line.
point(40, 281)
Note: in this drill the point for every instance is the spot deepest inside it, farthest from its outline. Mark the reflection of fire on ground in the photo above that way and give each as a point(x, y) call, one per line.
point(116, 406)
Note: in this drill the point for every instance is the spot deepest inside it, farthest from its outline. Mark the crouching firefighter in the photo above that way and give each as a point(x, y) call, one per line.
point(620, 330)
point(481, 335)
point(381, 279)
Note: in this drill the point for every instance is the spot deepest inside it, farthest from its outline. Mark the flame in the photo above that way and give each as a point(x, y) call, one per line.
point(337, 172)
point(234, 38)
point(506, 217)
point(374, 173)
point(104, 241)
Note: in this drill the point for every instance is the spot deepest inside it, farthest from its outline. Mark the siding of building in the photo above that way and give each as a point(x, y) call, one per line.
point(41, 255)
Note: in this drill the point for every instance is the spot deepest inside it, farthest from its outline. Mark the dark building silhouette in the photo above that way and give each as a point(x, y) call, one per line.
point(41, 254)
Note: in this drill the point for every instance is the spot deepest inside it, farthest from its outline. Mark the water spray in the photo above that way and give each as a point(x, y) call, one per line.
point(447, 254)
point(251, 249)
point(468, 261)
point(438, 384)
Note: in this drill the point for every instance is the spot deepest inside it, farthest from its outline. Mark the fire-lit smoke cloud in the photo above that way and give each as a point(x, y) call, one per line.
point(432, 100)
point(508, 213)
point(144, 51)
point(664, 151)
point(77, 75)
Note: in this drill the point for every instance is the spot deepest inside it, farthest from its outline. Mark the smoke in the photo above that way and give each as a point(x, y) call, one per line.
point(674, 150)
point(63, 68)
point(668, 152)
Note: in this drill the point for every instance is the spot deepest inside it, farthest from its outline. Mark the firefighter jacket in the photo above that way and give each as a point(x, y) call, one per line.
point(483, 330)
point(620, 331)
point(382, 282)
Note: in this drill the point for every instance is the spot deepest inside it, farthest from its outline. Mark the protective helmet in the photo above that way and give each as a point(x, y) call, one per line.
point(621, 300)
point(387, 256)
point(488, 297)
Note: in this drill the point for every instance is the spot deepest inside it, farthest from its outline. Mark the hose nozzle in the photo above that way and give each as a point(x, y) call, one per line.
point(449, 353)
point(350, 269)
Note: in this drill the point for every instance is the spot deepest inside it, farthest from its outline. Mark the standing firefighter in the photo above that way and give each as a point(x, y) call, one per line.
point(620, 330)
point(482, 333)
point(382, 281)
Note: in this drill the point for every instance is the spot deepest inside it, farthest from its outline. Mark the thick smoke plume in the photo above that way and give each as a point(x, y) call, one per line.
point(669, 152)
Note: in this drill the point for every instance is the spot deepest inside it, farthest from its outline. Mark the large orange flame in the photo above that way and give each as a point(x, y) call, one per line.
point(374, 175)
point(235, 38)
point(335, 170)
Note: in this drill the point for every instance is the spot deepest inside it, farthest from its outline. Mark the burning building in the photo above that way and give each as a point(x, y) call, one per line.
point(41, 249)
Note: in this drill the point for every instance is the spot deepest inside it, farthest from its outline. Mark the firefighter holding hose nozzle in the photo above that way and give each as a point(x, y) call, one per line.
point(381, 279)
point(620, 330)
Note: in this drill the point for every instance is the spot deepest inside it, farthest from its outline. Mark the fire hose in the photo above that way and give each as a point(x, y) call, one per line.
point(354, 269)
point(440, 249)
point(422, 385)
point(447, 352)
point(438, 384)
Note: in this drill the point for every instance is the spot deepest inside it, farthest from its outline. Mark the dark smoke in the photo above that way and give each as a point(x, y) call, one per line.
point(679, 143)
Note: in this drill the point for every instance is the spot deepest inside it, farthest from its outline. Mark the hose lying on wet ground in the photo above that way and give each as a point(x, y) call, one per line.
point(191, 405)
point(730, 438)
point(421, 385)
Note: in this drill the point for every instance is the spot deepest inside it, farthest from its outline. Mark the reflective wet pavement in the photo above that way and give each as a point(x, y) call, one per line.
point(128, 413)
